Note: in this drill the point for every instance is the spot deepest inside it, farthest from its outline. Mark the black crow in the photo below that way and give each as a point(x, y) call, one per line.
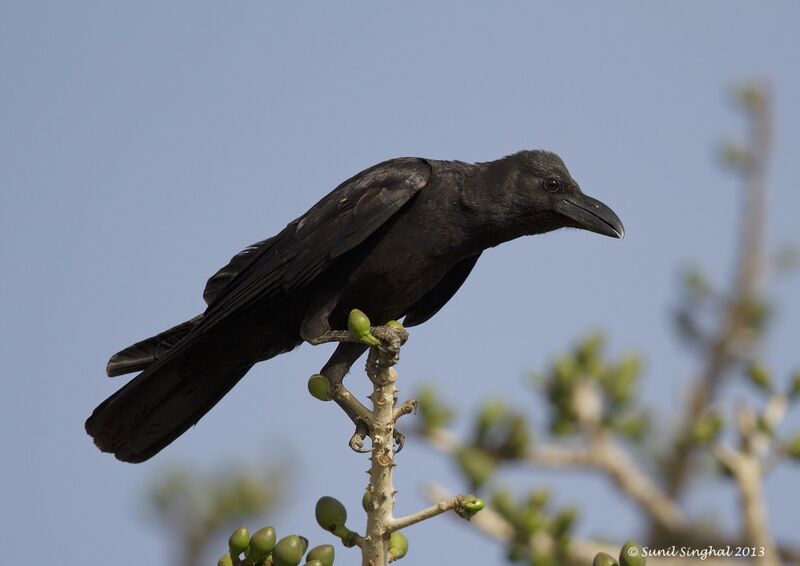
point(396, 240)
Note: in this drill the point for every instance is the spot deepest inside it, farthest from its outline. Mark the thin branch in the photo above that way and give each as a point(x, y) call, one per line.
point(427, 513)
point(601, 453)
point(581, 551)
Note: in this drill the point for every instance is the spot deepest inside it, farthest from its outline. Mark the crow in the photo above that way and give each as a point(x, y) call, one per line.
point(396, 240)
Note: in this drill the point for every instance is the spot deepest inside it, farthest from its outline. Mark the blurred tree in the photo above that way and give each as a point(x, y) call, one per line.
point(197, 508)
point(595, 417)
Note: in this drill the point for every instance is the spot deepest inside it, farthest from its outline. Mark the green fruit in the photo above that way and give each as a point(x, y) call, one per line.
point(794, 389)
point(490, 415)
point(542, 559)
point(358, 324)
point(538, 498)
point(324, 554)
point(793, 447)
point(238, 541)
point(469, 506)
point(330, 513)
point(476, 464)
point(564, 520)
point(313, 563)
point(261, 544)
point(760, 376)
point(320, 387)
point(398, 545)
point(348, 537)
point(395, 324)
point(366, 499)
point(504, 504)
point(289, 551)
point(631, 554)
point(707, 428)
point(603, 559)
point(225, 560)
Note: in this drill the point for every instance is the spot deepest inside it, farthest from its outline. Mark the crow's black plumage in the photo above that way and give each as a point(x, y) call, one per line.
point(397, 239)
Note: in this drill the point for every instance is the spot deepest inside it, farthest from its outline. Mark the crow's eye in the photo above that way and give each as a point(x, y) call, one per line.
point(552, 185)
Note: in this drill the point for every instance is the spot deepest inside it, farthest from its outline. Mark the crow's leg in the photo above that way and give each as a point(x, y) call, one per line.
point(345, 355)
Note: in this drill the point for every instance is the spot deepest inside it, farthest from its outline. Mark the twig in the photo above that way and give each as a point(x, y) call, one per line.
point(432, 511)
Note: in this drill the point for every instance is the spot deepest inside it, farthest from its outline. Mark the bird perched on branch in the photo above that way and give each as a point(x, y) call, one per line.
point(396, 240)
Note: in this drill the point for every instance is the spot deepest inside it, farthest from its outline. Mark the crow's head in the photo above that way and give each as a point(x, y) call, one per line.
point(543, 196)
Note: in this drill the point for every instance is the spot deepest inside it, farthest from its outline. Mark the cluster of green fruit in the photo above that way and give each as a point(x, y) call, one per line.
point(433, 413)
point(615, 381)
point(532, 517)
point(501, 434)
point(760, 376)
point(708, 427)
point(331, 515)
point(263, 549)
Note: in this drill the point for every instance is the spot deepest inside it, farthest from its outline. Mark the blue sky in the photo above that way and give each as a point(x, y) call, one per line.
point(143, 144)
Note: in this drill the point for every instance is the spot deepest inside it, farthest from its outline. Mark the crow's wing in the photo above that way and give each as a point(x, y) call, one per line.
point(437, 297)
point(239, 262)
point(308, 245)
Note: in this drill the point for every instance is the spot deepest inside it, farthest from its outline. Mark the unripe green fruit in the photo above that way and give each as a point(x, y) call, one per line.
point(794, 389)
point(470, 505)
point(603, 559)
point(793, 447)
point(760, 376)
point(398, 545)
point(323, 553)
point(320, 387)
point(313, 563)
point(225, 560)
point(330, 513)
point(707, 428)
point(358, 324)
point(238, 541)
point(289, 551)
point(366, 499)
point(261, 544)
point(395, 324)
point(476, 464)
point(343, 533)
point(632, 554)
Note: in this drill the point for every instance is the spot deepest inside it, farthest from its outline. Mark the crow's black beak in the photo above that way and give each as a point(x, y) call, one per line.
point(590, 214)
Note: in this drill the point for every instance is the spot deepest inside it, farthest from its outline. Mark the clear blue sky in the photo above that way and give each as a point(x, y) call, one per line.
point(141, 145)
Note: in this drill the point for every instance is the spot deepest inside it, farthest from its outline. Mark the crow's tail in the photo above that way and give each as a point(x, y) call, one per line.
point(160, 404)
point(142, 354)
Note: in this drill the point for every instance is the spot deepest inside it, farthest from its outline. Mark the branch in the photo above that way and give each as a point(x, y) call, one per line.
point(732, 330)
point(581, 551)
